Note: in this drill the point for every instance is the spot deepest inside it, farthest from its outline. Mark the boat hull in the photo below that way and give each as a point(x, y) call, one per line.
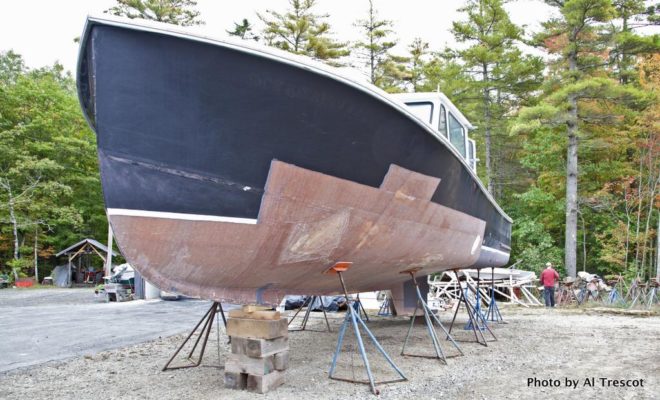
point(190, 127)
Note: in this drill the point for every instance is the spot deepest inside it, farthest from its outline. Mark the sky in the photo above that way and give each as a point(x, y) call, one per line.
point(43, 31)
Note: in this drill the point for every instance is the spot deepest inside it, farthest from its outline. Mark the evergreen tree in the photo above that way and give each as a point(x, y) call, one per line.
point(244, 31)
point(176, 12)
point(502, 75)
point(300, 31)
point(418, 50)
point(626, 43)
point(373, 49)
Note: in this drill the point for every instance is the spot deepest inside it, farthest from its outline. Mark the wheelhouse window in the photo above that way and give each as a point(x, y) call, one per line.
point(472, 155)
point(423, 110)
point(457, 134)
point(442, 122)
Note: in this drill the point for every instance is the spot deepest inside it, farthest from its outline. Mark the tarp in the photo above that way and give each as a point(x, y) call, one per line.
point(60, 275)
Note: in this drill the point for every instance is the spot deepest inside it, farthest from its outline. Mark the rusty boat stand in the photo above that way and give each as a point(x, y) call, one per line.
point(429, 317)
point(207, 320)
point(309, 302)
point(353, 319)
point(476, 320)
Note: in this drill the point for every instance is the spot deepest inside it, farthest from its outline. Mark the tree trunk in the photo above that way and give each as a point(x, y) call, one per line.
point(36, 264)
point(486, 101)
point(640, 183)
point(625, 197)
point(657, 250)
point(14, 223)
point(372, 51)
point(570, 246)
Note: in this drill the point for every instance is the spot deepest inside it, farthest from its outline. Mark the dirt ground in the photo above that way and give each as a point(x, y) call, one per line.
point(534, 343)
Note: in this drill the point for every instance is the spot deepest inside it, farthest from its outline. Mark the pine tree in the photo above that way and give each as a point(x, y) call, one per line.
point(627, 44)
point(373, 49)
point(300, 31)
point(501, 73)
point(176, 12)
point(418, 50)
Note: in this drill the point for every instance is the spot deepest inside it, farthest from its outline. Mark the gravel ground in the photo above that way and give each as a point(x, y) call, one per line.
point(534, 343)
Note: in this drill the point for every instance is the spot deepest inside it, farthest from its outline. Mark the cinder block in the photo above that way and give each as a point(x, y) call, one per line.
point(281, 360)
point(259, 347)
point(240, 363)
point(235, 380)
point(265, 383)
point(257, 329)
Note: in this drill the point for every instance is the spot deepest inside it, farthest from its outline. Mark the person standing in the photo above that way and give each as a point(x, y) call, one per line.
point(548, 278)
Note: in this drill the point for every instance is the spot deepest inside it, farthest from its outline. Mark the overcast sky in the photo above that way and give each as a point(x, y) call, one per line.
point(43, 30)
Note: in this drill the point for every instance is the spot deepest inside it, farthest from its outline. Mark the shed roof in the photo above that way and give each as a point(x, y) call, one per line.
point(74, 248)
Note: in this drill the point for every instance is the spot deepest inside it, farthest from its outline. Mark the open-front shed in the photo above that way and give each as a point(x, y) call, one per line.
point(80, 267)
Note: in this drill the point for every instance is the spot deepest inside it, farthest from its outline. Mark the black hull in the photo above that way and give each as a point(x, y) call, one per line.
point(186, 126)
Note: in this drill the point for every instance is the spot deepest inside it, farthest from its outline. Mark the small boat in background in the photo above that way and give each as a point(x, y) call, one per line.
point(237, 173)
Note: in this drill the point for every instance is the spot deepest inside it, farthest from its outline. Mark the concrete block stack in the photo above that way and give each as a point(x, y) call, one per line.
point(259, 349)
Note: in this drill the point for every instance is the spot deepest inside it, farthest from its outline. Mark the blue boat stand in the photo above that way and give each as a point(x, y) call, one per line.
point(353, 319)
point(429, 317)
point(476, 320)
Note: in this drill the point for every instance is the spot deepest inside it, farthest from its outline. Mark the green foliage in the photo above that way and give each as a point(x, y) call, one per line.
point(176, 12)
point(300, 31)
point(418, 50)
point(49, 182)
point(533, 246)
point(374, 47)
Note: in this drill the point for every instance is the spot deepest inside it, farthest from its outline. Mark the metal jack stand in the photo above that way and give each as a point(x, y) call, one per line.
point(493, 313)
point(385, 308)
point(474, 318)
point(477, 306)
point(207, 319)
point(309, 302)
point(429, 316)
point(359, 308)
point(353, 319)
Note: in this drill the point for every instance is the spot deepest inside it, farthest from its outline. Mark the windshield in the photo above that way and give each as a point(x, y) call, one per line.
point(457, 134)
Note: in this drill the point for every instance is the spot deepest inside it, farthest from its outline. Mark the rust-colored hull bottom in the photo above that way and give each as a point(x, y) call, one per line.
point(307, 222)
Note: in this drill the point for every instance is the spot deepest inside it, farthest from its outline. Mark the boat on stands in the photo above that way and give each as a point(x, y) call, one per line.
point(233, 172)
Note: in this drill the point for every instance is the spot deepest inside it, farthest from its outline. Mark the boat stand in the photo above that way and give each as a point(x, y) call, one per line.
point(474, 318)
point(481, 320)
point(353, 319)
point(359, 308)
point(429, 317)
point(309, 302)
point(207, 319)
point(385, 309)
point(493, 313)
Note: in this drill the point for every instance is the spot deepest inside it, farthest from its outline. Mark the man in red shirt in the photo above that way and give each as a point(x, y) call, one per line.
point(548, 278)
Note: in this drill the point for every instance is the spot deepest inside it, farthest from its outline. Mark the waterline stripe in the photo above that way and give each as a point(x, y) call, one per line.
point(187, 217)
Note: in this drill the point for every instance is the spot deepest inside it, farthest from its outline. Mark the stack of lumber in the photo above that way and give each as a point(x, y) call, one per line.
point(259, 349)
